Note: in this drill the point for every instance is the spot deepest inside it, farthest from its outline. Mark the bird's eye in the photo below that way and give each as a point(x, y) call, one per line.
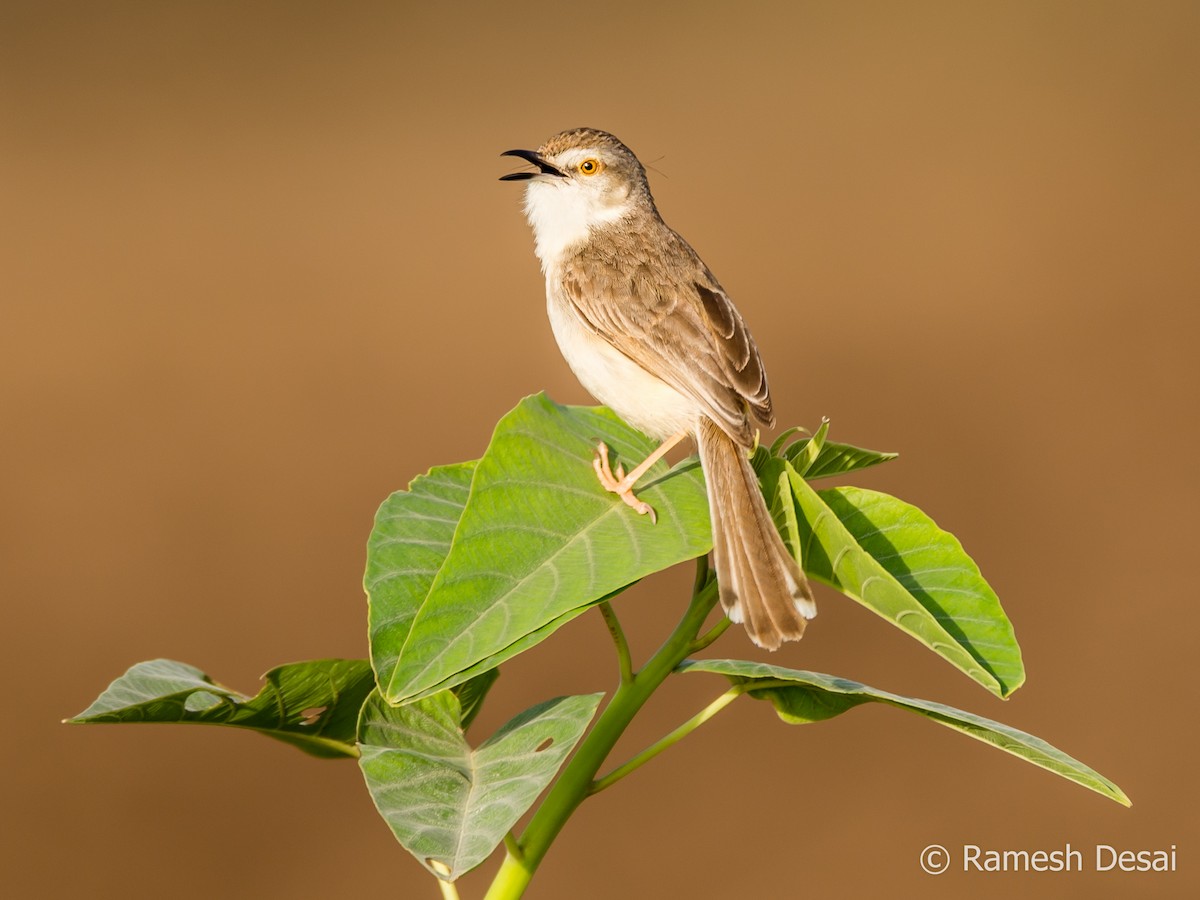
point(590, 166)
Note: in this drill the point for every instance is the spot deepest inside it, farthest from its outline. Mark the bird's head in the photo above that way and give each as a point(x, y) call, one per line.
point(585, 179)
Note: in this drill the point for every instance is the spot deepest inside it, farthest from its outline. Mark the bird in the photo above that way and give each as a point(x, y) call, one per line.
point(649, 332)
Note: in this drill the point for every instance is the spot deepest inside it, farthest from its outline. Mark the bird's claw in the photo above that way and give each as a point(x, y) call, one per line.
point(617, 483)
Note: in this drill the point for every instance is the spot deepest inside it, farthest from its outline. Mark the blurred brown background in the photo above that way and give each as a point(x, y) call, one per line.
point(258, 272)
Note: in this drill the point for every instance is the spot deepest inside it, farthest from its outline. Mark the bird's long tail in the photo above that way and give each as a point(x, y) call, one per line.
point(761, 584)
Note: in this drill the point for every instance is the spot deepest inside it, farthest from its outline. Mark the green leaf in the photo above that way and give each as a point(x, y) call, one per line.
point(471, 694)
point(410, 540)
point(538, 542)
point(310, 705)
point(831, 458)
point(802, 697)
point(448, 805)
point(892, 558)
point(773, 476)
point(803, 454)
point(933, 567)
point(784, 436)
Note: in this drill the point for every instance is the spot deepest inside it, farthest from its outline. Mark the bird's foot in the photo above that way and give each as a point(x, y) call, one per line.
point(619, 483)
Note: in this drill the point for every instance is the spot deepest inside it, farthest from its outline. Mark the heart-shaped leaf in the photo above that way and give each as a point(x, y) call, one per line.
point(447, 804)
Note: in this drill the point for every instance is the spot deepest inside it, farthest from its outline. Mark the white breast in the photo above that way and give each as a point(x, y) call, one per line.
point(643, 400)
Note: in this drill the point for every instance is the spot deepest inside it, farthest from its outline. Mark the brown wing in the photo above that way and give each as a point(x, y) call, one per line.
point(674, 320)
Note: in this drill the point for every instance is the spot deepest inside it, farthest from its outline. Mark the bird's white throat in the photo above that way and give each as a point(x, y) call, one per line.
point(563, 215)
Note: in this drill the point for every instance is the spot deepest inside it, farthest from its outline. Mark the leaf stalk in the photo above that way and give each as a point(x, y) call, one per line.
point(669, 740)
point(624, 661)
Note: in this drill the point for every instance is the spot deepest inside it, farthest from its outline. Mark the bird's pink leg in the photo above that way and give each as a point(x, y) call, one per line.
point(622, 484)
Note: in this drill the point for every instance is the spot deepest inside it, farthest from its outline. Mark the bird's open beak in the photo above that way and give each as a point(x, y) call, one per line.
point(530, 156)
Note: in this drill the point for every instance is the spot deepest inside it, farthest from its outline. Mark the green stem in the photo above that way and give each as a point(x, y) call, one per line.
point(702, 573)
point(511, 845)
point(711, 635)
point(576, 780)
point(618, 635)
point(511, 880)
point(670, 740)
point(703, 576)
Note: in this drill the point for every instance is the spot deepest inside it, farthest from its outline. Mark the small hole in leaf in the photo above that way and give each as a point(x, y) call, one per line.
point(440, 868)
point(200, 701)
point(544, 745)
point(311, 715)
